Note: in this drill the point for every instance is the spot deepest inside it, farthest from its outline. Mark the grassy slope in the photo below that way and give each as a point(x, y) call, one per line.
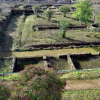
point(82, 75)
point(48, 36)
point(82, 95)
point(50, 52)
point(5, 65)
point(8, 35)
point(89, 62)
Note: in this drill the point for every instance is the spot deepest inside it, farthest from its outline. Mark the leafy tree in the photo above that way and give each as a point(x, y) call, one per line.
point(48, 14)
point(63, 24)
point(83, 11)
point(64, 10)
point(37, 83)
point(35, 9)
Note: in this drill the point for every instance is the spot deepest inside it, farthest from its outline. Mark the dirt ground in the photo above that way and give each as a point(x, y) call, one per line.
point(82, 84)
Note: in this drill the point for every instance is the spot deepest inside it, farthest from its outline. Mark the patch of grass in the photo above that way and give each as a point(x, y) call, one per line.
point(50, 52)
point(89, 62)
point(18, 35)
point(82, 75)
point(59, 64)
point(81, 95)
point(9, 32)
point(29, 36)
point(13, 77)
point(5, 65)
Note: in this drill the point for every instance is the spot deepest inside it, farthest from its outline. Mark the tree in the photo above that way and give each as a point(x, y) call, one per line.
point(64, 25)
point(83, 11)
point(35, 9)
point(39, 84)
point(64, 10)
point(48, 14)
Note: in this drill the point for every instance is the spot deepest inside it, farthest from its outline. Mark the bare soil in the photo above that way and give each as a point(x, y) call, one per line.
point(82, 84)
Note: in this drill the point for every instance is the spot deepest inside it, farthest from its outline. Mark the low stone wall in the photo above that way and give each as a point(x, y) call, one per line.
point(13, 11)
point(81, 55)
point(63, 44)
point(55, 27)
point(17, 11)
point(25, 58)
point(70, 62)
point(45, 62)
point(13, 64)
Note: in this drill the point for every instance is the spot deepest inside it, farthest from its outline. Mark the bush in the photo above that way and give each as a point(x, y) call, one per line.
point(37, 83)
point(5, 92)
point(35, 9)
point(87, 35)
point(63, 24)
point(64, 10)
point(97, 35)
point(48, 14)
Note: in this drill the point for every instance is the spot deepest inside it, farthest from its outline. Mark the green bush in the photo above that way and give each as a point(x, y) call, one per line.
point(35, 9)
point(5, 92)
point(48, 14)
point(63, 24)
point(37, 83)
point(64, 10)
point(97, 35)
point(87, 35)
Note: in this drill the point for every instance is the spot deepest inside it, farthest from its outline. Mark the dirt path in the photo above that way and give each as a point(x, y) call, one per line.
point(83, 84)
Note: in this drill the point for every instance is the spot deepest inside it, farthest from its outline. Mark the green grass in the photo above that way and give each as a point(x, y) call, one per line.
point(89, 62)
point(12, 39)
point(81, 95)
point(8, 35)
point(59, 64)
point(93, 50)
point(29, 36)
point(82, 75)
point(13, 77)
point(5, 65)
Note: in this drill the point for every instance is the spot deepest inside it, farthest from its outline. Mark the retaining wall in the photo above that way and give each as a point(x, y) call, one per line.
point(71, 44)
point(13, 64)
point(55, 27)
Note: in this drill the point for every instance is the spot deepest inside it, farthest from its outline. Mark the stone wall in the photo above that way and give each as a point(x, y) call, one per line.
point(13, 64)
point(63, 44)
point(55, 27)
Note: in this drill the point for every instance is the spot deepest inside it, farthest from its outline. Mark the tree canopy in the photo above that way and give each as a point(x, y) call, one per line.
point(64, 25)
point(35, 9)
point(48, 14)
point(64, 10)
point(83, 11)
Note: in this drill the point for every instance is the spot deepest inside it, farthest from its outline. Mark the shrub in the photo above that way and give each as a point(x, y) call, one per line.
point(48, 14)
point(64, 10)
point(5, 92)
point(87, 35)
point(39, 84)
point(35, 9)
point(97, 35)
point(63, 24)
